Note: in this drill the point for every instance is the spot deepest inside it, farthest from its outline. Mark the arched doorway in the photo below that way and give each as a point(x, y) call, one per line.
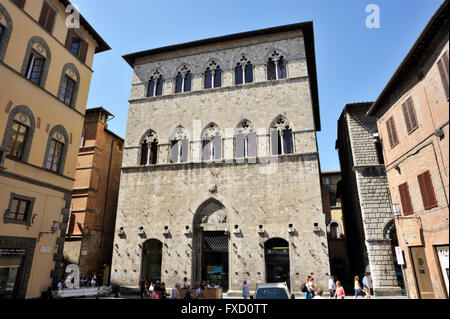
point(276, 252)
point(390, 232)
point(152, 260)
point(210, 244)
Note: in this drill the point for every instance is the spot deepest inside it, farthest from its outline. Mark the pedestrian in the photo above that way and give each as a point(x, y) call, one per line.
point(340, 292)
point(94, 281)
point(188, 293)
point(185, 283)
point(245, 290)
point(331, 287)
point(358, 290)
point(367, 285)
point(163, 291)
point(142, 287)
point(61, 285)
point(155, 295)
point(151, 288)
point(312, 287)
point(306, 288)
point(319, 294)
point(176, 292)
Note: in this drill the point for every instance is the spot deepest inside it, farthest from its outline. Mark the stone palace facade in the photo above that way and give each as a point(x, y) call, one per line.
point(220, 175)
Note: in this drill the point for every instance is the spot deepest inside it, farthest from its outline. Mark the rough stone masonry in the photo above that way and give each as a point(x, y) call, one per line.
point(174, 203)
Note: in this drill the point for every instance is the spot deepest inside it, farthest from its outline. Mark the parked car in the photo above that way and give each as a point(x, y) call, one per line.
point(278, 290)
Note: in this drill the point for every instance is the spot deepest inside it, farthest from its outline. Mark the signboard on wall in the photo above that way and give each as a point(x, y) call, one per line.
point(12, 251)
point(399, 254)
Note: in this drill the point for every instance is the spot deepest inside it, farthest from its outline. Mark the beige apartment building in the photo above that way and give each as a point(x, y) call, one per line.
point(412, 113)
point(45, 74)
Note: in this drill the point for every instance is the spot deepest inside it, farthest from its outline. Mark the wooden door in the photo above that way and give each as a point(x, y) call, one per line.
point(422, 273)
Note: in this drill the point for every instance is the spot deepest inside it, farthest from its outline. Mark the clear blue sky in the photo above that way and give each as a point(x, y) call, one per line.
point(354, 63)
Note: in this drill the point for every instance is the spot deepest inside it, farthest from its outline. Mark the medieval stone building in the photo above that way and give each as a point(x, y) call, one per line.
point(366, 201)
point(220, 175)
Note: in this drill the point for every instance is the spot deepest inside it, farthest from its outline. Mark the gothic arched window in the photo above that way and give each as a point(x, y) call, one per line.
point(245, 140)
point(211, 143)
point(334, 230)
point(183, 80)
point(243, 71)
point(276, 67)
point(149, 149)
point(213, 76)
point(281, 138)
point(179, 146)
point(155, 84)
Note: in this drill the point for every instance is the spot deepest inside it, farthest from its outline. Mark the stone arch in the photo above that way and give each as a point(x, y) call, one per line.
point(338, 229)
point(180, 146)
point(7, 33)
point(210, 226)
point(183, 67)
point(67, 68)
point(21, 109)
point(55, 130)
point(43, 46)
point(245, 126)
point(388, 227)
point(281, 121)
point(156, 71)
point(277, 260)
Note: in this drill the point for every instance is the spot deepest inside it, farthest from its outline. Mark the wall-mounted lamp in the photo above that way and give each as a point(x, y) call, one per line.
point(54, 227)
point(291, 229)
point(439, 132)
point(166, 230)
point(121, 232)
point(187, 231)
point(376, 138)
point(236, 229)
point(396, 210)
point(141, 232)
point(317, 228)
point(261, 230)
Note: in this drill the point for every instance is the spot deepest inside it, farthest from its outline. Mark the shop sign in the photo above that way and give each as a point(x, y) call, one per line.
point(12, 251)
point(399, 254)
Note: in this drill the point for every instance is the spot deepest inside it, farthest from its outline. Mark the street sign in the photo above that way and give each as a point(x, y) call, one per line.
point(399, 254)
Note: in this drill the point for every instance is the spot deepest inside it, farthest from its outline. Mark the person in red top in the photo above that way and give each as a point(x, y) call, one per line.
point(340, 292)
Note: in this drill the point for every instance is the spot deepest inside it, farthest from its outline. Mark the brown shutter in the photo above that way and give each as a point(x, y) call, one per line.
point(47, 18)
point(50, 20)
point(427, 190)
point(412, 113)
point(69, 39)
point(84, 49)
point(443, 70)
point(392, 132)
point(406, 199)
point(20, 3)
point(406, 115)
point(44, 14)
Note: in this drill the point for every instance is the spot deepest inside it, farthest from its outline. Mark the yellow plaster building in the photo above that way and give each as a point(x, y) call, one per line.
point(45, 74)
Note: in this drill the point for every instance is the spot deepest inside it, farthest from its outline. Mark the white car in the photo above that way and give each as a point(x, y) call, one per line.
point(278, 290)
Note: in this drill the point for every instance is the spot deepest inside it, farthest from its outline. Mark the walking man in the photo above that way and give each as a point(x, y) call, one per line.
point(367, 285)
point(245, 290)
point(332, 287)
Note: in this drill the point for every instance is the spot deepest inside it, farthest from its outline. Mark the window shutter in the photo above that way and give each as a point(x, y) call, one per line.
point(412, 113)
point(47, 18)
point(69, 39)
point(406, 115)
point(406, 199)
point(84, 49)
point(427, 190)
point(20, 3)
point(392, 132)
point(44, 13)
point(443, 70)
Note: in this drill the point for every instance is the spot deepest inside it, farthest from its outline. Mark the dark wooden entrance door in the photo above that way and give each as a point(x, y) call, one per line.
point(422, 272)
point(215, 258)
point(277, 261)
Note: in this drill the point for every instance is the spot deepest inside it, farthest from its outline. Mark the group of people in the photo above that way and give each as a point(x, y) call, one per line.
point(158, 290)
point(336, 290)
point(86, 282)
point(153, 290)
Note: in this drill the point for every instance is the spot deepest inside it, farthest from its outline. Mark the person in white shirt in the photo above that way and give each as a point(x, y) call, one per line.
point(331, 287)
